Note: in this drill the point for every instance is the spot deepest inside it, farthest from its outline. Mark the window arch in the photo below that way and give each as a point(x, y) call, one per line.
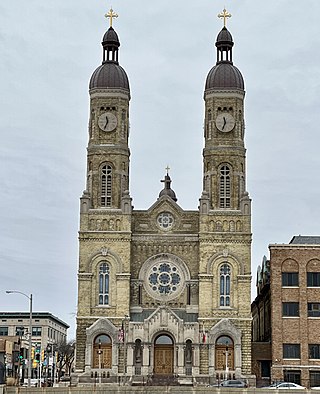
point(106, 186)
point(225, 279)
point(104, 282)
point(225, 187)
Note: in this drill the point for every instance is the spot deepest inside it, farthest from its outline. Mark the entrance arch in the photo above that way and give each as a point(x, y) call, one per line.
point(224, 351)
point(102, 346)
point(163, 355)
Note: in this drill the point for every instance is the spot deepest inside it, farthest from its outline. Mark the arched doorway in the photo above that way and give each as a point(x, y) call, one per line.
point(102, 352)
point(163, 355)
point(224, 351)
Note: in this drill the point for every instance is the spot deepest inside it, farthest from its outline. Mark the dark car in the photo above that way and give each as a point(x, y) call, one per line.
point(233, 383)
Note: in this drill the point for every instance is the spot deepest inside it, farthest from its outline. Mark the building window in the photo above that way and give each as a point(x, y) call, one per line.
point(19, 331)
point(3, 331)
point(225, 187)
point(292, 376)
point(106, 186)
point(313, 309)
point(165, 278)
point(314, 378)
point(36, 331)
point(265, 369)
point(290, 309)
point(290, 279)
point(291, 350)
point(314, 351)
point(313, 279)
point(225, 276)
point(104, 280)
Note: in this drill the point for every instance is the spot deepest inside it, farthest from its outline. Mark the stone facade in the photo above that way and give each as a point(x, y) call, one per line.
point(164, 291)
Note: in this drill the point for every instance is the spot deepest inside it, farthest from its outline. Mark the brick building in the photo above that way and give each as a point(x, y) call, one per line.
point(165, 291)
point(293, 302)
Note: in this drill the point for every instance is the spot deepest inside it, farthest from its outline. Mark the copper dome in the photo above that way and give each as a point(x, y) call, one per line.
point(224, 76)
point(109, 75)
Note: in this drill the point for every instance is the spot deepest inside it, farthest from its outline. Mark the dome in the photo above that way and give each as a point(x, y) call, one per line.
point(109, 75)
point(168, 192)
point(110, 38)
point(224, 37)
point(224, 75)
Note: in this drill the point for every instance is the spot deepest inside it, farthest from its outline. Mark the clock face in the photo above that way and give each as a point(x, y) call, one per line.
point(107, 121)
point(225, 122)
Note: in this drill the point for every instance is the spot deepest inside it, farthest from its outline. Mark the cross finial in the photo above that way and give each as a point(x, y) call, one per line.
point(111, 15)
point(167, 169)
point(224, 14)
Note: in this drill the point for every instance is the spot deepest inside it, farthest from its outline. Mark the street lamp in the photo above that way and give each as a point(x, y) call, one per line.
point(30, 331)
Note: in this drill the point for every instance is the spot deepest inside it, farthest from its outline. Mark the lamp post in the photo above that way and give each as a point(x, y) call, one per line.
point(227, 367)
point(99, 354)
point(30, 331)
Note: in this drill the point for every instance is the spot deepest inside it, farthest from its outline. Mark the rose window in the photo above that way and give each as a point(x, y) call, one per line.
point(164, 278)
point(165, 220)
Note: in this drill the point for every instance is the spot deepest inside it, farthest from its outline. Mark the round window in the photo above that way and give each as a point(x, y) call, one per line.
point(164, 276)
point(165, 220)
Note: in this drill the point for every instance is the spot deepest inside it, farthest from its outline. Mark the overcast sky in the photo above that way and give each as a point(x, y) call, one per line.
point(48, 51)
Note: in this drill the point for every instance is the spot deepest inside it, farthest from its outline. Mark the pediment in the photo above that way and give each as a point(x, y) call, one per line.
point(165, 203)
point(163, 316)
point(225, 327)
point(102, 326)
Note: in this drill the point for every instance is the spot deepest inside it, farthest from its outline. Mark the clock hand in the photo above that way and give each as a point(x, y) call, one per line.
point(224, 122)
point(107, 121)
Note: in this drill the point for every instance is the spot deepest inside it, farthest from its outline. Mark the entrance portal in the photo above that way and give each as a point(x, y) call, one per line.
point(224, 354)
point(163, 355)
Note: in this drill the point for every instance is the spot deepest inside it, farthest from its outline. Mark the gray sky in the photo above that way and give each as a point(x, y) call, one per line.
point(48, 51)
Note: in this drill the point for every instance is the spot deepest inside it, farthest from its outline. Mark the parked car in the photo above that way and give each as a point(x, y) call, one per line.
point(233, 383)
point(285, 385)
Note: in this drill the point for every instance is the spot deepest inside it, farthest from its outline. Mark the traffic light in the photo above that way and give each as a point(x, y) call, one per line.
point(21, 355)
point(38, 355)
point(32, 353)
point(42, 355)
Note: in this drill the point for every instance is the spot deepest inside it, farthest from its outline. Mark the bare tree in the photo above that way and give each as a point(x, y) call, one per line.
point(65, 357)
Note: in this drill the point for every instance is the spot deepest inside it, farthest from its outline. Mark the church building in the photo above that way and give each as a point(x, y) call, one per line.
point(164, 293)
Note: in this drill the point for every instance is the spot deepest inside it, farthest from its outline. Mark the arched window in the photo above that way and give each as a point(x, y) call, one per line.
point(106, 186)
point(225, 187)
point(225, 274)
point(104, 280)
point(102, 352)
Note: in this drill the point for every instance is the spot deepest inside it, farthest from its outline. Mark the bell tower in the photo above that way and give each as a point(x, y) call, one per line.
point(105, 206)
point(224, 170)
point(225, 206)
point(108, 150)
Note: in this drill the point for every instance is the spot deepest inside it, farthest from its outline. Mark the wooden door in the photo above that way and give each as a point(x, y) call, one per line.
point(221, 358)
point(163, 359)
point(105, 357)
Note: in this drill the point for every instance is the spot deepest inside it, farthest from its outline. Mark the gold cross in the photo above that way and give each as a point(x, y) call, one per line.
point(111, 15)
point(224, 14)
point(167, 168)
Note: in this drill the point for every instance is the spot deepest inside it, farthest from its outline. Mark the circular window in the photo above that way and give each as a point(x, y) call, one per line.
point(165, 220)
point(164, 276)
